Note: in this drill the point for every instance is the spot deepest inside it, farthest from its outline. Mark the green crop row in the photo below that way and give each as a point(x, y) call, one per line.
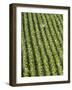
point(41, 44)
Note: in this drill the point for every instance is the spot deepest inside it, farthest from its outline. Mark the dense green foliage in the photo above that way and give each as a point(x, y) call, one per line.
point(42, 44)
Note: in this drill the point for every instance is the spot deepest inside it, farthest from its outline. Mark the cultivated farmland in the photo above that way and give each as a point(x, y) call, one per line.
point(41, 44)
